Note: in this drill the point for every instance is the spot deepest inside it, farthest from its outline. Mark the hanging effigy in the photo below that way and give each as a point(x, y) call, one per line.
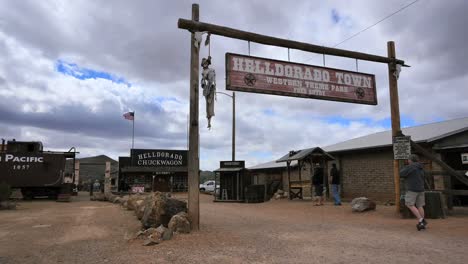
point(208, 83)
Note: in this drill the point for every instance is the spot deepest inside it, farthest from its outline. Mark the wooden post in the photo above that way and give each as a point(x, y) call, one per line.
point(325, 178)
point(107, 179)
point(395, 117)
point(194, 140)
point(77, 173)
point(288, 163)
point(449, 195)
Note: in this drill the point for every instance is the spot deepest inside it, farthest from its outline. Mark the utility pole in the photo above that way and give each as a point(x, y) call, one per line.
point(395, 116)
point(233, 97)
point(194, 138)
point(233, 126)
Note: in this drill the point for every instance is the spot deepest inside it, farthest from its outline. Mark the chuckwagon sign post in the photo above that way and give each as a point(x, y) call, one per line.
point(332, 84)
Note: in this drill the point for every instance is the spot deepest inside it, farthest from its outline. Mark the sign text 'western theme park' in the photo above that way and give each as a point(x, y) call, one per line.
point(260, 75)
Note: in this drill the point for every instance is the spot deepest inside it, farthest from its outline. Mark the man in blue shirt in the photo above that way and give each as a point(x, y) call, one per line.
point(414, 180)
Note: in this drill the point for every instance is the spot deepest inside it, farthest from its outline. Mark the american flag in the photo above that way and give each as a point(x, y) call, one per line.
point(129, 116)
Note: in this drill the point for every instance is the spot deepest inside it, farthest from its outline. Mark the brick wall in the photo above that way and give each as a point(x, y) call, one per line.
point(368, 174)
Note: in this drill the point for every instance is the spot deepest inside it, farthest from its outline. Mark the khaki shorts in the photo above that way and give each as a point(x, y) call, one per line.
point(415, 198)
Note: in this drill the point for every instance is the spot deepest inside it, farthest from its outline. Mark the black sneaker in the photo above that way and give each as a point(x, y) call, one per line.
point(420, 226)
point(424, 222)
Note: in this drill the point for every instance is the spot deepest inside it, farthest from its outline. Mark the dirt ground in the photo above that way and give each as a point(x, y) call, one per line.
point(279, 231)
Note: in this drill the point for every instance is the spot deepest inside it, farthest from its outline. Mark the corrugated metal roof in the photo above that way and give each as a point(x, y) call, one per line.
point(424, 133)
point(272, 165)
point(228, 169)
point(300, 154)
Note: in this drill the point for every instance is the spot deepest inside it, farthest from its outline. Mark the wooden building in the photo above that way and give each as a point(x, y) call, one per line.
point(153, 170)
point(292, 172)
point(232, 179)
point(366, 163)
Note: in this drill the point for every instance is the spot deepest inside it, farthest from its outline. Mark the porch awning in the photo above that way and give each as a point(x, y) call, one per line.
point(228, 169)
point(153, 169)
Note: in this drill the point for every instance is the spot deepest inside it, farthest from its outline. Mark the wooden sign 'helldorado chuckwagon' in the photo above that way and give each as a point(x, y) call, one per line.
point(260, 75)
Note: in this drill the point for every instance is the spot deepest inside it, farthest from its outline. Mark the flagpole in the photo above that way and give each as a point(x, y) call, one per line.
point(133, 133)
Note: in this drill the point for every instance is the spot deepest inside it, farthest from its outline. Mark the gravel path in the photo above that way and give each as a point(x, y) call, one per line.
point(273, 232)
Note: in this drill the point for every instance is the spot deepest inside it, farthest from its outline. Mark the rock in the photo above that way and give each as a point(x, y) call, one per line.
point(110, 197)
point(159, 210)
point(149, 231)
point(7, 205)
point(184, 214)
point(162, 233)
point(167, 235)
point(124, 199)
point(140, 234)
point(98, 196)
point(154, 209)
point(179, 223)
point(139, 208)
point(173, 207)
point(362, 204)
point(133, 201)
point(150, 242)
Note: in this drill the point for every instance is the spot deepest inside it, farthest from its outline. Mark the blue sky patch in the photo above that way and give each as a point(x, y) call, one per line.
point(262, 154)
point(269, 112)
point(405, 121)
point(161, 99)
point(72, 69)
point(335, 16)
point(338, 120)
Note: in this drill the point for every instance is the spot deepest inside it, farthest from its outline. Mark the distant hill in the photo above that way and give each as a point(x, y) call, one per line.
point(93, 168)
point(206, 175)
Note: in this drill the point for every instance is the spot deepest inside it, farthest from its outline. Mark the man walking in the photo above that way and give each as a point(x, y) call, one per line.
point(414, 198)
point(335, 184)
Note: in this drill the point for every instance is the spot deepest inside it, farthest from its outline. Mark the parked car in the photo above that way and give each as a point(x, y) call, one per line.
point(208, 186)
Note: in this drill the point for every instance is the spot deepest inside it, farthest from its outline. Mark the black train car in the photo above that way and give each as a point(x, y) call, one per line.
point(26, 166)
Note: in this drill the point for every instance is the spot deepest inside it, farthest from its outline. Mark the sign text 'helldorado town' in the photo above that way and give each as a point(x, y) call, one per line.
point(260, 75)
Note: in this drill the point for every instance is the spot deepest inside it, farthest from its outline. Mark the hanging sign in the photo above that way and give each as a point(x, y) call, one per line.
point(260, 75)
point(232, 164)
point(401, 147)
point(158, 158)
point(464, 157)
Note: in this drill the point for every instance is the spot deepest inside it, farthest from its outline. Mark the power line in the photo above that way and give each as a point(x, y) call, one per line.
point(392, 14)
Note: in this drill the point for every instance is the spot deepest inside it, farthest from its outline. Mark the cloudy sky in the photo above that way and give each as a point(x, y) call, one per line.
point(70, 69)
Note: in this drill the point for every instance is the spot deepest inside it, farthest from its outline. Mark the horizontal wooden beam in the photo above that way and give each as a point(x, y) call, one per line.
point(442, 173)
point(456, 192)
point(194, 26)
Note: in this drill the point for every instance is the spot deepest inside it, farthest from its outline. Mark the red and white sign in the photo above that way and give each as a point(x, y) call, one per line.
point(260, 75)
point(138, 189)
